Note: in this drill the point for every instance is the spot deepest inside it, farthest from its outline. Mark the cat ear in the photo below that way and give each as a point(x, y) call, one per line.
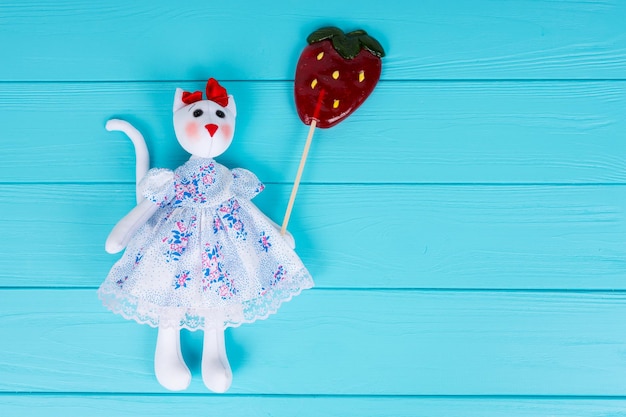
point(232, 106)
point(178, 100)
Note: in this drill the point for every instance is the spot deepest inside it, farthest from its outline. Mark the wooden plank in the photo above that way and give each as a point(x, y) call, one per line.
point(426, 132)
point(119, 40)
point(336, 342)
point(559, 237)
point(255, 406)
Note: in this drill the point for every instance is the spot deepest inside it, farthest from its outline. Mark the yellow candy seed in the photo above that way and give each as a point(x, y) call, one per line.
point(361, 76)
point(314, 83)
point(335, 104)
point(336, 75)
point(320, 56)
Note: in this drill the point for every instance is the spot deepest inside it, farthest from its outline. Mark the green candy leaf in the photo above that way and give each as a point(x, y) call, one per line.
point(323, 34)
point(372, 45)
point(347, 45)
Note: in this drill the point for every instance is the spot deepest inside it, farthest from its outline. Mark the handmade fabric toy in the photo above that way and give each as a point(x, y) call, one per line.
point(199, 254)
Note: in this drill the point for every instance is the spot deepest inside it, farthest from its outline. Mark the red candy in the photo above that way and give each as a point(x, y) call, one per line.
point(336, 72)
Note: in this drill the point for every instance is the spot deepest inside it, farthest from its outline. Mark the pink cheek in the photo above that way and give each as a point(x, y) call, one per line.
point(192, 130)
point(227, 130)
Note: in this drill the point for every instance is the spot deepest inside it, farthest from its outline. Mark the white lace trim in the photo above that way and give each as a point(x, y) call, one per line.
point(260, 308)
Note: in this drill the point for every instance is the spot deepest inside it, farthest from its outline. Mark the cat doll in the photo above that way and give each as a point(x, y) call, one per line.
point(199, 255)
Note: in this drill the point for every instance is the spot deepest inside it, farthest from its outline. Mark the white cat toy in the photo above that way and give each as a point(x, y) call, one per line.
point(199, 254)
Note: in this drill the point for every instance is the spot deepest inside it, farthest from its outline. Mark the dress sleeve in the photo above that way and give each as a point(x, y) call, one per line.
point(156, 186)
point(246, 184)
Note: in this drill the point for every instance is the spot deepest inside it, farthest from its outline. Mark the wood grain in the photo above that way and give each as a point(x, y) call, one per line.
point(165, 405)
point(337, 343)
point(465, 227)
point(84, 41)
point(408, 132)
point(402, 236)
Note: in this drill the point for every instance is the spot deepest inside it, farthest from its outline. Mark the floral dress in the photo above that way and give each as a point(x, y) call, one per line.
point(208, 258)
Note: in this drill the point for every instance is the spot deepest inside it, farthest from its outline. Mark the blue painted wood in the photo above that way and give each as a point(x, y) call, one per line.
point(424, 132)
point(337, 342)
point(503, 132)
point(336, 406)
point(368, 236)
point(161, 40)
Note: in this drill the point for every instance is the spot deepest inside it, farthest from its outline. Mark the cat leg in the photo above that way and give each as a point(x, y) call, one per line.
point(216, 372)
point(169, 366)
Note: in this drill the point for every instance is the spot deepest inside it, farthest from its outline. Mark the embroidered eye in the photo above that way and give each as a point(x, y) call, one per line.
point(220, 114)
point(197, 113)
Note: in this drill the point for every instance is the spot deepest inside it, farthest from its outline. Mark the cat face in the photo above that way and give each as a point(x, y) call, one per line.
point(204, 128)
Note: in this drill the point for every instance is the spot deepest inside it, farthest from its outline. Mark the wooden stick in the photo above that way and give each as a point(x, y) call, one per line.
point(296, 183)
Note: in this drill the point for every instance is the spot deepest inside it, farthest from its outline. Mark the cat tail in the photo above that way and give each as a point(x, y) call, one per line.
point(142, 157)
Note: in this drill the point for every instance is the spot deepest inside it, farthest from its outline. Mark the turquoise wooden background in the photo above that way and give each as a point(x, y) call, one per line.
point(466, 227)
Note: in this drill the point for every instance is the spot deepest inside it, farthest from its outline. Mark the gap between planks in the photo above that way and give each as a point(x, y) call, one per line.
point(382, 289)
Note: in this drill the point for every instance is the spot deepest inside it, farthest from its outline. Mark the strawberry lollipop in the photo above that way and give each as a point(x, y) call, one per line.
point(336, 72)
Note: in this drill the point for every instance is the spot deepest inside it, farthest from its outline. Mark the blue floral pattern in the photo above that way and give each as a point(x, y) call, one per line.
point(217, 225)
point(192, 265)
point(178, 239)
point(230, 214)
point(216, 278)
point(279, 275)
point(120, 282)
point(181, 279)
point(264, 240)
point(138, 258)
point(194, 186)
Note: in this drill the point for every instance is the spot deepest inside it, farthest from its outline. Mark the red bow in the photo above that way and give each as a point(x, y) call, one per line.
point(214, 92)
point(189, 98)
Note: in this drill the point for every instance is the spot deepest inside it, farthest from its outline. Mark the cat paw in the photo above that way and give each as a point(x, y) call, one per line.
point(113, 245)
